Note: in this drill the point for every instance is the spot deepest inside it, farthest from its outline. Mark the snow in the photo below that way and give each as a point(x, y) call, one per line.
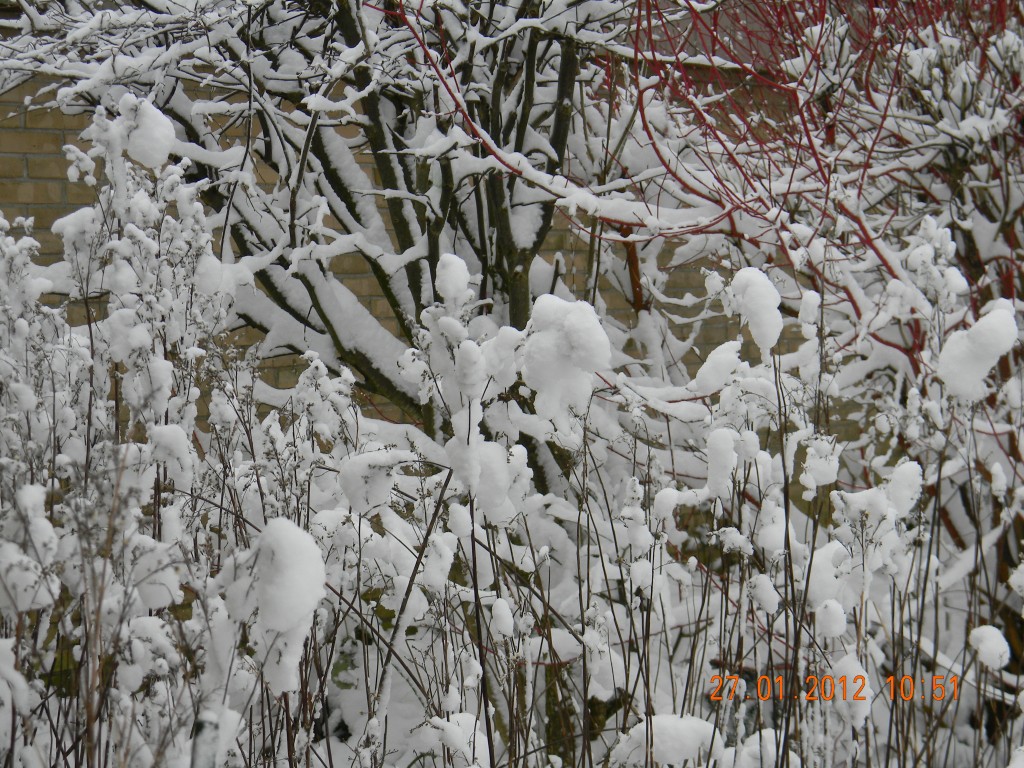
point(289, 586)
point(32, 524)
point(565, 344)
point(501, 618)
point(216, 731)
point(761, 749)
point(31, 499)
point(825, 580)
point(23, 584)
point(151, 136)
point(955, 281)
point(641, 577)
point(734, 541)
point(757, 301)
point(612, 498)
point(716, 369)
point(829, 620)
point(171, 446)
point(853, 711)
point(990, 645)
point(772, 534)
point(462, 734)
point(366, 478)
point(204, 743)
point(17, 690)
point(459, 520)
point(156, 568)
point(721, 462)
point(453, 280)
point(14, 690)
point(821, 466)
point(904, 486)
point(764, 593)
point(291, 575)
point(563, 646)
point(968, 356)
point(810, 304)
point(674, 739)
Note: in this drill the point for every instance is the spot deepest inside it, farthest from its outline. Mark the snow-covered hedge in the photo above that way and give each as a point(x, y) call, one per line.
point(589, 542)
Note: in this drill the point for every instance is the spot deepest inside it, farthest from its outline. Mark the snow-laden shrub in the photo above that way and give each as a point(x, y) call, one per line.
point(588, 541)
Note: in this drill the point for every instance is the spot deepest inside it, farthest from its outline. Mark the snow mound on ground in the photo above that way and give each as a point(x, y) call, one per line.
point(990, 645)
point(969, 355)
point(290, 584)
point(674, 740)
point(757, 301)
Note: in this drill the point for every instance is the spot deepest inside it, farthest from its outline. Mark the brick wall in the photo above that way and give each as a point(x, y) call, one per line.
point(33, 169)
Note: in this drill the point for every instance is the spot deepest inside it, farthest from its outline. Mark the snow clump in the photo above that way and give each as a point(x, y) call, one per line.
point(502, 620)
point(453, 281)
point(673, 741)
point(152, 139)
point(763, 593)
point(855, 708)
point(830, 619)
point(565, 345)
point(990, 645)
point(969, 355)
point(757, 301)
point(15, 694)
point(290, 584)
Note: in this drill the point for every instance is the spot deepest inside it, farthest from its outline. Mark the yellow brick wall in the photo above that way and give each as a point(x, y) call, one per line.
point(33, 169)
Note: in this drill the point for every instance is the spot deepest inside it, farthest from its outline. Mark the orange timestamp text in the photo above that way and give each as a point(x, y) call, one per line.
point(838, 687)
